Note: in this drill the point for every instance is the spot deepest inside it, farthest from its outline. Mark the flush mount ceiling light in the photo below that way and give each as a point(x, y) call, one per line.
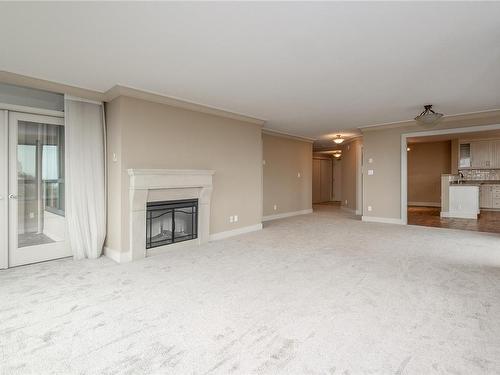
point(338, 139)
point(428, 116)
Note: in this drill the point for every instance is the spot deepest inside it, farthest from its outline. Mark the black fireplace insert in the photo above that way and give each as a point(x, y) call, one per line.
point(171, 221)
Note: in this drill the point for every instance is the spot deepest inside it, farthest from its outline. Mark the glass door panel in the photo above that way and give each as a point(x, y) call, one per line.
point(37, 194)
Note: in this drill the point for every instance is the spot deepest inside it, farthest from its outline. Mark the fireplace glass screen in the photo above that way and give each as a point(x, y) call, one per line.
point(171, 221)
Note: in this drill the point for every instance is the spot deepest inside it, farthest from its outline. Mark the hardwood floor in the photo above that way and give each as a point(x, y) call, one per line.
point(489, 221)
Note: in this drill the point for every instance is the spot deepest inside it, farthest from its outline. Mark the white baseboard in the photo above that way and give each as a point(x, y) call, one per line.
point(424, 204)
point(235, 232)
point(117, 256)
point(463, 215)
point(387, 220)
point(287, 214)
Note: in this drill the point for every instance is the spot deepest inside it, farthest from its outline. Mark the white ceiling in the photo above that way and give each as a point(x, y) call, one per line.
point(307, 68)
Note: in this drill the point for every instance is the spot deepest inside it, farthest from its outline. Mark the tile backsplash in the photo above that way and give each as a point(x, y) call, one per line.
point(481, 174)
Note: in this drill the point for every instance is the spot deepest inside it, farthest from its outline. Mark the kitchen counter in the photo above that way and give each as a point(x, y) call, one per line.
point(475, 182)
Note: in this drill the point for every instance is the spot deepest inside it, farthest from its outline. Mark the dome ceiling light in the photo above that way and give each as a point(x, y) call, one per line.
point(338, 139)
point(428, 116)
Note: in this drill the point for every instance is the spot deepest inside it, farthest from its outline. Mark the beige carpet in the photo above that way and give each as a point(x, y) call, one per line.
point(315, 294)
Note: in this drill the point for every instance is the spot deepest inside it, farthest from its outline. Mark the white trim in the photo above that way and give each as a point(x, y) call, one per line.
point(112, 254)
point(386, 220)
point(159, 172)
point(156, 97)
point(278, 133)
point(404, 156)
point(463, 215)
point(31, 110)
point(77, 99)
point(425, 204)
point(287, 214)
point(235, 232)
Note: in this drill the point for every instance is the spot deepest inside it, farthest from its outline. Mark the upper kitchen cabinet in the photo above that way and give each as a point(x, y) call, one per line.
point(464, 157)
point(484, 154)
point(481, 154)
point(495, 154)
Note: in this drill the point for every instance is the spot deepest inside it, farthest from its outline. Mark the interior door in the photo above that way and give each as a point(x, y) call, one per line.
point(326, 180)
point(37, 223)
point(337, 180)
point(316, 193)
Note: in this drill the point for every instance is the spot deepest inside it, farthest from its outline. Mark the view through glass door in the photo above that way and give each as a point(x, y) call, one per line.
point(37, 223)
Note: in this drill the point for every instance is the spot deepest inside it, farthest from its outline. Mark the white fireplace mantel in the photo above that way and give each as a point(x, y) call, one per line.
point(147, 185)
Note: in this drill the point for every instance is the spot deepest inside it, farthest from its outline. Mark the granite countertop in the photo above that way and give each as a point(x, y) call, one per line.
point(476, 182)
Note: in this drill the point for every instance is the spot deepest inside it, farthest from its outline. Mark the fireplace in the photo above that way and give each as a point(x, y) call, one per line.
point(169, 222)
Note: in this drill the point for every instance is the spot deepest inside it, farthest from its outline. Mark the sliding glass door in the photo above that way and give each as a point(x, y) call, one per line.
point(37, 223)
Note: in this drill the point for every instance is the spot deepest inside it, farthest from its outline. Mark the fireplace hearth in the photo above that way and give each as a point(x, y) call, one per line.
point(169, 222)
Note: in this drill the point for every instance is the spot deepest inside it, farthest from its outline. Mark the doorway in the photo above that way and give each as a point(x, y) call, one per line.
point(322, 180)
point(33, 217)
point(451, 178)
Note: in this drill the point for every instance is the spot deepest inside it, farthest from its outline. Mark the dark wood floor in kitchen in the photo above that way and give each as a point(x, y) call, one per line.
point(489, 221)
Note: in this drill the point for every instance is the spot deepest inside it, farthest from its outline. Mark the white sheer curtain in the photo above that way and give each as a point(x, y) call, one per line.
point(85, 176)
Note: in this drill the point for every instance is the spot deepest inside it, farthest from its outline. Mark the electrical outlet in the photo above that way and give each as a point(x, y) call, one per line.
point(275, 207)
point(235, 218)
point(231, 219)
point(370, 172)
point(369, 208)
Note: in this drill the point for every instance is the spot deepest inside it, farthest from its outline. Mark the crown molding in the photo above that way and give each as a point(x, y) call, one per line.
point(277, 133)
point(131, 92)
point(120, 90)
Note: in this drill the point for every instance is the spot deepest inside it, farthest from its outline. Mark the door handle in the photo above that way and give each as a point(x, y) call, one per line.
point(12, 196)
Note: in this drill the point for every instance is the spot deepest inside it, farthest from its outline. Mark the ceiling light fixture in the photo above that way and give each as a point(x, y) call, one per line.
point(338, 139)
point(428, 116)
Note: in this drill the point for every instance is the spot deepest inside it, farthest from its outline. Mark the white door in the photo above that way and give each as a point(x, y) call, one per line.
point(37, 223)
point(337, 180)
point(326, 180)
point(316, 193)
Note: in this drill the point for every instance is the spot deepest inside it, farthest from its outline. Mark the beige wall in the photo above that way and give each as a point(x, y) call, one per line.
point(426, 163)
point(143, 134)
point(382, 190)
point(284, 158)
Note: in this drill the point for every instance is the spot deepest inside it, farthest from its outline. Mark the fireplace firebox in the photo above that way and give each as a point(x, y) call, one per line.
point(170, 222)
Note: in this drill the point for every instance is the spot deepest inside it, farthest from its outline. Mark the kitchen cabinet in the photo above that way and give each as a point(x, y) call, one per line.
point(489, 196)
point(495, 154)
point(480, 154)
point(485, 196)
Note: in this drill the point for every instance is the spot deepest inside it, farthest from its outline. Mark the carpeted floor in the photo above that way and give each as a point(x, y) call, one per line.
point(314, 294)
